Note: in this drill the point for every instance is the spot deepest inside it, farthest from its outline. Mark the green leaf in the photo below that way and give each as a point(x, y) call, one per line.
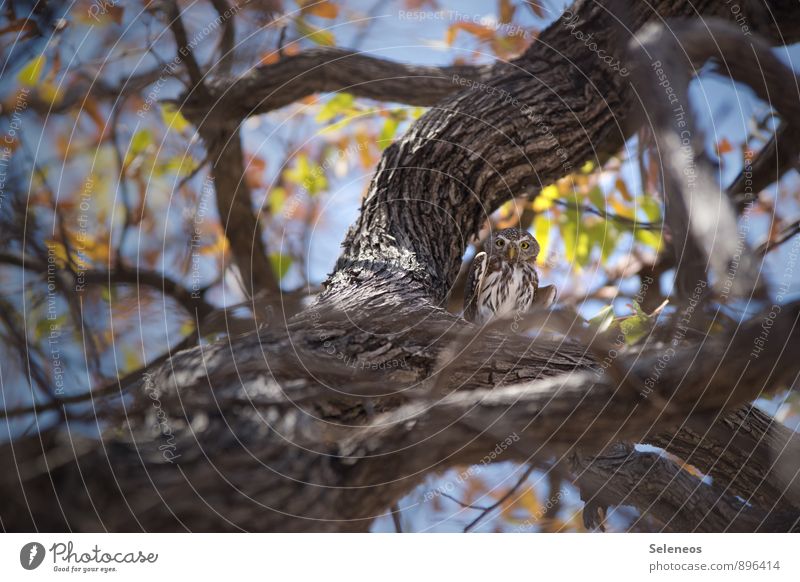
point(603, 236)
point(650, 207)
point(388, 132)
point(649, 238)
point(140, 141)
point(602, 321)
point(637, 326)
point(179, 165)
point(583, 248)
point(597, 198)
point(109, 294)
point(310, 177)
point(280, 264)
point(339, 104)
point(277, 198)
point(314, 34)
point(29, 74)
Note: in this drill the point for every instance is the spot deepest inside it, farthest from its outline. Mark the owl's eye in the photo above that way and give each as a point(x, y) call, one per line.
point(524, 246)
point(500, 242)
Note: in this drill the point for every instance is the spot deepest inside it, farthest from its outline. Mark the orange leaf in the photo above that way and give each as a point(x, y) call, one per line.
point(537, 9)
point(478, 30)
point(506, 11)
point(324, 9)
point(724, 146)
point(623, 189)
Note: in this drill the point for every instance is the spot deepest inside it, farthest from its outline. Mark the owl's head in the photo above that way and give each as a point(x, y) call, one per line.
point(513, 245)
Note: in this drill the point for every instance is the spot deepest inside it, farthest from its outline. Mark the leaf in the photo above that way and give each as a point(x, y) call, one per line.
point(314, 34)
point(140, 141)
point(480, 31)
point(51, 93)
point(276, 200)
point(634, 328)
point(583, 247)
point(324, 9)
point(363, 141)
point(623, 189)
point(542, 203)
point(550, 192)
point(388, 131)
point(450, 35)
point(538, 10)
point(602, 321)
point(506, 11)
point(339, 104)
point(650, 207)
point(603, 236)
point(218, 247)
point(310, 177)
point(280, 264)
point(724, 146)
point(541, 229)
point(29, 74)
point(649, 238)
point(173, 118)
point(597, 198)
point(637, 326)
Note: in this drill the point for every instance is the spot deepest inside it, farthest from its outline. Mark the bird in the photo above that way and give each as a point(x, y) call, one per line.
point(502, 280)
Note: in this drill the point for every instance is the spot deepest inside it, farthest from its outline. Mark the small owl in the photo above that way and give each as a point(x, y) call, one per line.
point(502, 280)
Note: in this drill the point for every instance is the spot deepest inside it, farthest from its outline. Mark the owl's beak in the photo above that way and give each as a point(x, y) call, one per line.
point(512, 252)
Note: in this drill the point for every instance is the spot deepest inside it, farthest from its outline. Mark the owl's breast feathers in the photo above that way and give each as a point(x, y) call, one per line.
point(497, 288)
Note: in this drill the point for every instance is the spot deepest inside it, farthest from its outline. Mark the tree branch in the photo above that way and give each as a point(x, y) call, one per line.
point(320, 70)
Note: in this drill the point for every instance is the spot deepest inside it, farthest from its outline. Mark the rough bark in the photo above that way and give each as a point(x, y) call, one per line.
point(324, 423)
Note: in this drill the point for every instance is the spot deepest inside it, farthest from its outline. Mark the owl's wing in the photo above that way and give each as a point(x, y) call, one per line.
point(545, 296)
point(474, 282)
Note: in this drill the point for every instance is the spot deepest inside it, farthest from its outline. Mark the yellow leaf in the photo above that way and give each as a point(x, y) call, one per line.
point(173, 118)
point(541, 203)
point(541, 230)
point(30, 73)
point(58, 251)
point(550, 192)
point(51, 93)
point(219, 246)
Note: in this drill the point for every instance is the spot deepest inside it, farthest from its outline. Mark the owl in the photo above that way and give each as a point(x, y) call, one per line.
point(502, 280)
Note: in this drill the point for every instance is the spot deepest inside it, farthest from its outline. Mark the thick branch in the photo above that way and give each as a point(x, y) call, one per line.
point(270, 87)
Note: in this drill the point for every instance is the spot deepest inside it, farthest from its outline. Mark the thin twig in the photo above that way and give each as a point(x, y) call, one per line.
point(786, 234)
point(502, 500)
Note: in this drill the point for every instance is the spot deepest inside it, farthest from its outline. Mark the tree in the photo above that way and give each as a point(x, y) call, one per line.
point(321, 417)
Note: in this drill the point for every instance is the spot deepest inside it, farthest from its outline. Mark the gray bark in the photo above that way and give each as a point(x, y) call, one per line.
point(323, 422)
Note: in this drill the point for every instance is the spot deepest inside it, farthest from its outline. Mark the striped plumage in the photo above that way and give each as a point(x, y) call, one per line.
point(503, 281)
